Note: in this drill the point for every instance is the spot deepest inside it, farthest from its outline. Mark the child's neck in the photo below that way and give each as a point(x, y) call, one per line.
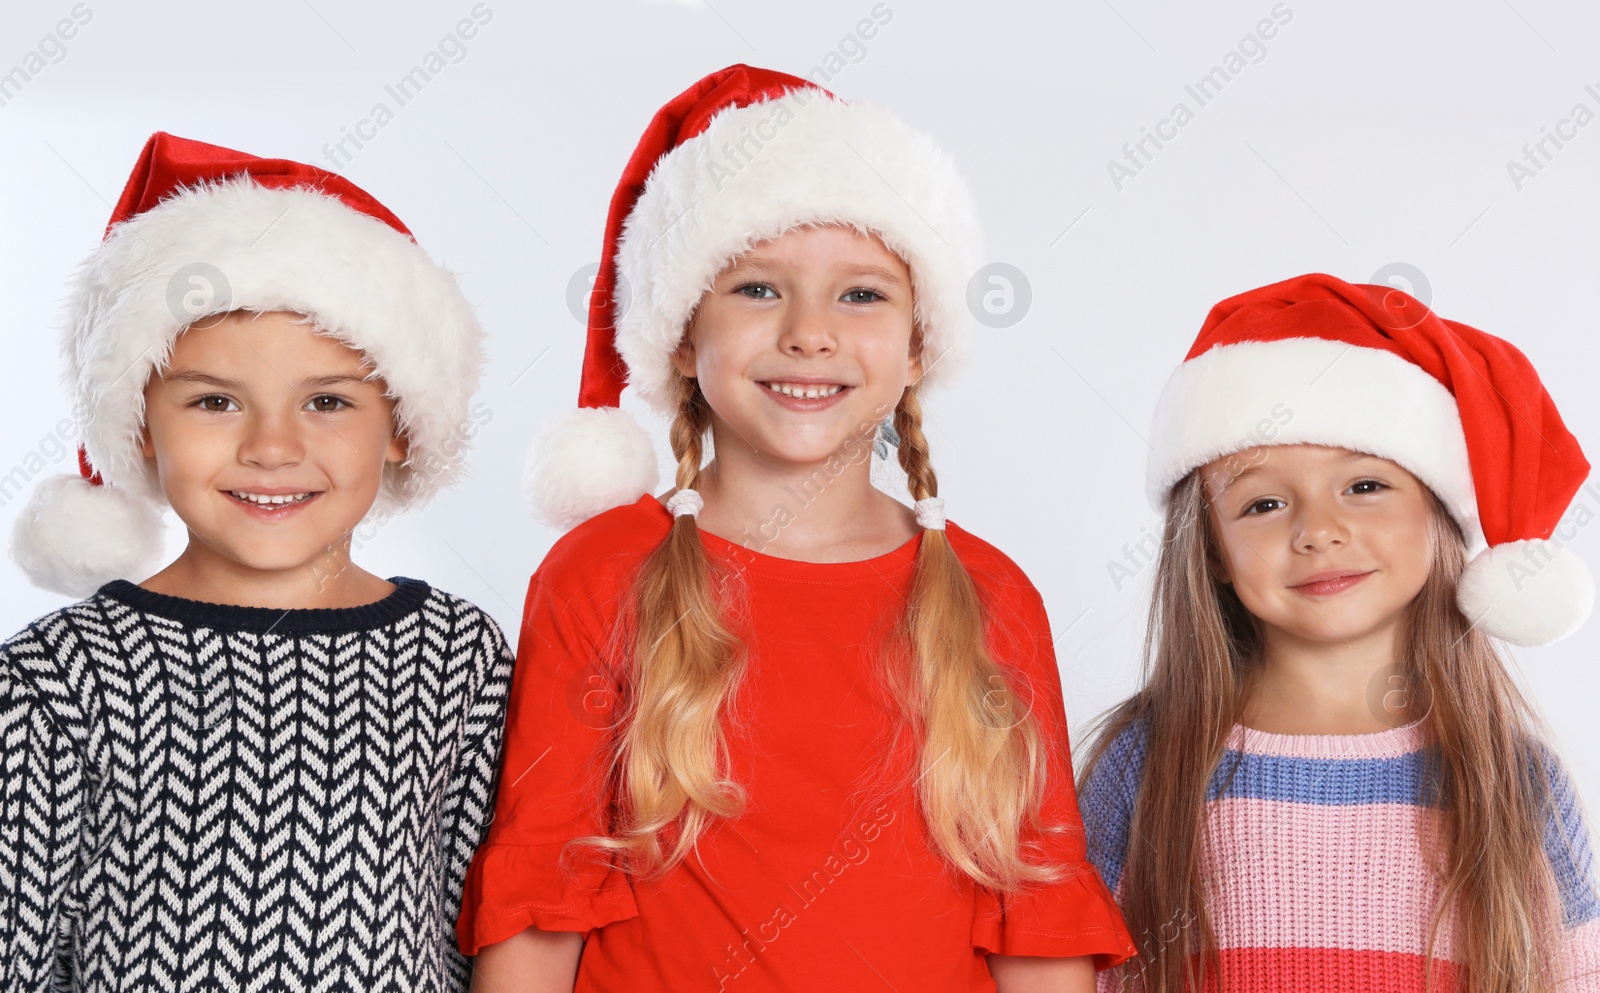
point(827, 512)
point(1346, 687)
point(330, 582)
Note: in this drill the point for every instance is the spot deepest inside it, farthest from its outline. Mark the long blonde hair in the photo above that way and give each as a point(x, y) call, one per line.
point(979, 767)
point(1202, 649)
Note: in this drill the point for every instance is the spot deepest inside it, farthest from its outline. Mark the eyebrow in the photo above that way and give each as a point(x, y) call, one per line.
point(1240, 476)
point(758, 263)
point(197, 378)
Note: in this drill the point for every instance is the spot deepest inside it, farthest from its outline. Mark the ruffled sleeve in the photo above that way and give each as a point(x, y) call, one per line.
point(551, 788)
point(1074, 915)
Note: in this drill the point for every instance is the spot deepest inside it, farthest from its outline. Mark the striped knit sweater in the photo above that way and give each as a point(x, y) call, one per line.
point(1317, 860)
point(201, 797)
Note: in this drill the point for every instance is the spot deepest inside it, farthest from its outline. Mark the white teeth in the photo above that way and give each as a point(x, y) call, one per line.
point(804, 391)
point(263, 500)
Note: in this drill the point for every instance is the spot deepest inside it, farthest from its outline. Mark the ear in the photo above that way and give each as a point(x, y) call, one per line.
point(147, 447)
point(399, 447)
point(683, 357)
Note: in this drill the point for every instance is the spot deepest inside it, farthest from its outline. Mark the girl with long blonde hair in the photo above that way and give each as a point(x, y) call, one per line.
point(1330, 780)
point(777, 730)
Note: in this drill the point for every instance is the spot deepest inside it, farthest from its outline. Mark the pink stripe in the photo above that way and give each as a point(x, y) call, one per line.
point(1389, 744)
point(1583, 963)
point(1299, 875)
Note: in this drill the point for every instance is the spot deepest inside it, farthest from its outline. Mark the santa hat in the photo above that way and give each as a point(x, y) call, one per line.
point(738, 158)
point(1315, 360)
point(203, 230)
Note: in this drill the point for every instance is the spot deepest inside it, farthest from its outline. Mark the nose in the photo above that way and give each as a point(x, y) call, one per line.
point(271, 441)
point(1319, 526)
point(806, 331)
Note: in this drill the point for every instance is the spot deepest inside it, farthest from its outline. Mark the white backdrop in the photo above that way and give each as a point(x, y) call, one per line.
point(1341, 136)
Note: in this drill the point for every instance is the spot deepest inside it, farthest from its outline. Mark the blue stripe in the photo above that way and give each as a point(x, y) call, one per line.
point(1326, 782)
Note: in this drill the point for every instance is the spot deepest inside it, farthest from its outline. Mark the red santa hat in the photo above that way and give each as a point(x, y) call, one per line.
point(738, 158)
point(203, 230)
point(1316, 360)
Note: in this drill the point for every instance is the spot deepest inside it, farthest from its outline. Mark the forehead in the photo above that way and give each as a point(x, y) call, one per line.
point(1277, 463)
point(833, 245)
point(274, 339)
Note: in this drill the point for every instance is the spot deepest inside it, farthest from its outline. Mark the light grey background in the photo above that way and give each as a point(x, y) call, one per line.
point(1367, 134)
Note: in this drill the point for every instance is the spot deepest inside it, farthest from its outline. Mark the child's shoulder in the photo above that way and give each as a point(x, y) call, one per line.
point(609, 545)
point(55, 659)
point(989, 566)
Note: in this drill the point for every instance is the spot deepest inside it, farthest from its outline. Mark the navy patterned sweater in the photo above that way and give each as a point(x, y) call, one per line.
point(205, 797)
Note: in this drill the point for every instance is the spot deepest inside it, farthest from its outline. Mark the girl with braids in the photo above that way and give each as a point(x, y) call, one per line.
point(1330, 781)
point(779, 731)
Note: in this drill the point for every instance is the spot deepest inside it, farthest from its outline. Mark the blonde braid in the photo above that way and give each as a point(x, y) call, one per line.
point(982, 766)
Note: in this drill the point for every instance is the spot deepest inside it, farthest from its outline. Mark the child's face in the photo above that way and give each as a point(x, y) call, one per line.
point(1321, 544)
point(823, 312)
point(252, 407)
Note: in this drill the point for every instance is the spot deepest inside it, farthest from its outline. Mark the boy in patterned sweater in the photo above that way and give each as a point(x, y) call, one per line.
point(262, 767)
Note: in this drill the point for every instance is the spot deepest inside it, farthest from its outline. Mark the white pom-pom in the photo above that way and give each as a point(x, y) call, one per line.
point(586, 462)
point(74, 537)
point(1529, 593)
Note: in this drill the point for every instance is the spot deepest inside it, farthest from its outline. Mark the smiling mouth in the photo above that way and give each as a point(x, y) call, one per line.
point(1328, 585)
point(806, 391)
point(271, 500)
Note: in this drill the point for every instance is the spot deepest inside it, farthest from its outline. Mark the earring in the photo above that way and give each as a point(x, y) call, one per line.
point(886, 436)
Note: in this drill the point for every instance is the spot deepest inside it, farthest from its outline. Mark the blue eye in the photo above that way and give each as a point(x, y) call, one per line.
point(216, 403)
point(757, 291)
point(862, 294)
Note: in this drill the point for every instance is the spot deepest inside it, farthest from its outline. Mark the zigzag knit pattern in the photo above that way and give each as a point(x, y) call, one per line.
point(198, 797)
point(1318, 859)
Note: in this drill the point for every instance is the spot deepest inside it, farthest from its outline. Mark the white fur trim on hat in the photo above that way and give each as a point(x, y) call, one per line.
point(237, 245)
point(1311, 391)
point(1529, 592)
point(73, 537)
point(587, 461)
point(760, 170)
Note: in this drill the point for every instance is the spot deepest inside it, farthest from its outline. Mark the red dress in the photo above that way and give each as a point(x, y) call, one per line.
point(820, 884)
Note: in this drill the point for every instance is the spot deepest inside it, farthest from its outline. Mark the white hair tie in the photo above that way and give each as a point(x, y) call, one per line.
point(930, 513)
point(685, 502)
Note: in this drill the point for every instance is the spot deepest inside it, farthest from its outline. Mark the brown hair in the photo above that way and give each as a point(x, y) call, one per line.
point(979, 768)
point(1202, 649)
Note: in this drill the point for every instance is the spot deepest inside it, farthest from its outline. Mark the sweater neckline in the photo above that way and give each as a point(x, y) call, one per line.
point(890, 563)
point(406, 598)
point(1390, 743)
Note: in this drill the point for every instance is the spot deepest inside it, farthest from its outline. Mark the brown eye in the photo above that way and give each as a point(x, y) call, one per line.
point(215, 404)
point(327, 404)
